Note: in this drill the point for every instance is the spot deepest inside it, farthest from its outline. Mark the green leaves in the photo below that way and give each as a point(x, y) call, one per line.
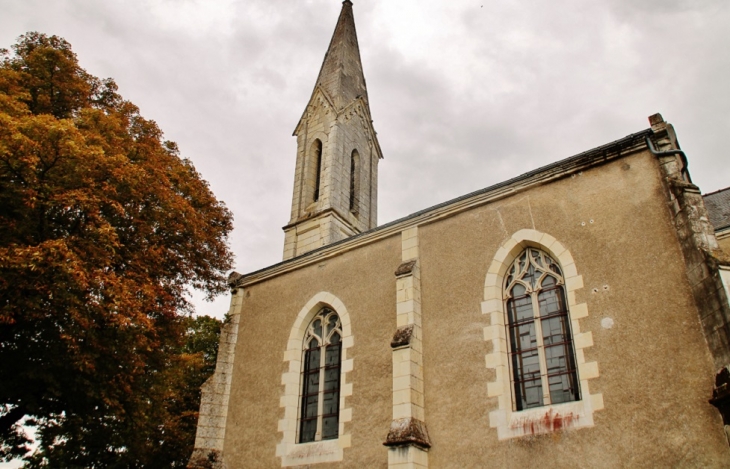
point(102, 229)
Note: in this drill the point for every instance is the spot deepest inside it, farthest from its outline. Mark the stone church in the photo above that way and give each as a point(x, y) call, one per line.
point(573, 316)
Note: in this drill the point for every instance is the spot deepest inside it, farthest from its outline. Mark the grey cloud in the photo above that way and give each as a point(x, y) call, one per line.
point(510, 87)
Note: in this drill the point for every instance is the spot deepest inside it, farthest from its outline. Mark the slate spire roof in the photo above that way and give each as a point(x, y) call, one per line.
point(341, 75)
point(718, 207)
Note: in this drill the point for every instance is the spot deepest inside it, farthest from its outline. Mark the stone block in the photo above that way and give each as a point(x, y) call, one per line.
point(583, 340)
point(411, 253)
point(574, 283)
point(546, 240)
point(527, 235)
point(494, 332)
point(410, 233)
point(401, 382)
point(402, 396)
point(405, 307)
point(497, 318)
point(597, 401)
point(345, 441)
point(493, 360)
point(491, 280)
point(570, 271)
point(409, 243)
point(495, 389)
point(492, 291)
point(557, 249)
point(492, 305)
point(402, 410)
point(588, 370)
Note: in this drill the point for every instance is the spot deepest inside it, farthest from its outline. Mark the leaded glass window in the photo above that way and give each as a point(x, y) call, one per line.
point(320, 399)
point(541, 355)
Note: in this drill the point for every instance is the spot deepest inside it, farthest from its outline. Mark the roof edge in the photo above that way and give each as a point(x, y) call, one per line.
point(596, 156)
point(716, 192)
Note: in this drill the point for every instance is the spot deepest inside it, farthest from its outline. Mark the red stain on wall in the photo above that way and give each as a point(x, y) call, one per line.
point(551, 421)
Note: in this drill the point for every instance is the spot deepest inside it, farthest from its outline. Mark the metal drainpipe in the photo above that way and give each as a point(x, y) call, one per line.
point(685, 170)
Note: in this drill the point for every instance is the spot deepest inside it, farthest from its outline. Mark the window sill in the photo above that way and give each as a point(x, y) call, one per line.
point(312, 453)
point(547, 419)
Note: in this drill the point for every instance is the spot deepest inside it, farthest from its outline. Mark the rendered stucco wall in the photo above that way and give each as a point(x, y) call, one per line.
point(363, 280)
point(615, 222)
point(655, 373)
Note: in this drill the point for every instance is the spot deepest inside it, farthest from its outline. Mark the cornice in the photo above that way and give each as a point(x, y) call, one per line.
point(314, 216)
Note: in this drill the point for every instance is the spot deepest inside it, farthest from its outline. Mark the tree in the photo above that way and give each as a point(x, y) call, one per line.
point(103, 227)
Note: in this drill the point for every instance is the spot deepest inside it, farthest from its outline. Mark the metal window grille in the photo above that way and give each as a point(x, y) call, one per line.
point(542, 359)
point(320, 398)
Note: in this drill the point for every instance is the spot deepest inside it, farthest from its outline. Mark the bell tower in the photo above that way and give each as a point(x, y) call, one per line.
point(336, 177)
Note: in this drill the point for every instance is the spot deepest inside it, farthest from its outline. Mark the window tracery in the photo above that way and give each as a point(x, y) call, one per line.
point(542, 360)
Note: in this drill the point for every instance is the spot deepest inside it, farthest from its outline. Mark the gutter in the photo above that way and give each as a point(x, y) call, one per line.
point(685, 170)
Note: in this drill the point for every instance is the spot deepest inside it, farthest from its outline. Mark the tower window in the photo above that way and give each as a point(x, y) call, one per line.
point(316, 157)
point(541, 356)
point(354, 181)
point(320, 399)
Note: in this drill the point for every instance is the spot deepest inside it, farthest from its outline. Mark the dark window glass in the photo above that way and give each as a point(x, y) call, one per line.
point(317, 157)
point(310, 393)
point(320, 408)
point(538, 326)
point(354, 180)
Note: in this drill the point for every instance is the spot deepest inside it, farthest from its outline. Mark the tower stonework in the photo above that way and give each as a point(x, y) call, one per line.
point(336, 176)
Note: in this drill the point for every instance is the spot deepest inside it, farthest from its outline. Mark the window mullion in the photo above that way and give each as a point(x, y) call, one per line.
point(320, 396)
point(540, 349)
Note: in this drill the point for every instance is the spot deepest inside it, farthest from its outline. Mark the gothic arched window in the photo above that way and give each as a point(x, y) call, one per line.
point(320, 399)
point(354, 180)
point(316, 158)
point(542, 359)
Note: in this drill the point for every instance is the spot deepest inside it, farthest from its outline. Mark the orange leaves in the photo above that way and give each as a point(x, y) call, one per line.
point(102, 228)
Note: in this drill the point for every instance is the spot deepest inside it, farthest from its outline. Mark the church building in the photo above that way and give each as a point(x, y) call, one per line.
point(573, 316)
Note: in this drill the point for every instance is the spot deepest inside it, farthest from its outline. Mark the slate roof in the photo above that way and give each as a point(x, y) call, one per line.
point(718, 206)
point(341, 76)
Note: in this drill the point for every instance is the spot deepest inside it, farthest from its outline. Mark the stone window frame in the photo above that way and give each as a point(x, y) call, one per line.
point(573, 415)
point(306, 170)
point(540, 267)
point(291, 452)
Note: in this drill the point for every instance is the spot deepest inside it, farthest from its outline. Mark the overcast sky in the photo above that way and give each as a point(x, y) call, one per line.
point(463, 93)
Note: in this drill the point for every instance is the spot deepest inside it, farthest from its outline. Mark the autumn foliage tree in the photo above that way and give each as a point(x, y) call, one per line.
point(103, 228)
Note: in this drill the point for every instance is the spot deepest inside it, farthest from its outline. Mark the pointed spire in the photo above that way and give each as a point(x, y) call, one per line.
point(341, 75)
